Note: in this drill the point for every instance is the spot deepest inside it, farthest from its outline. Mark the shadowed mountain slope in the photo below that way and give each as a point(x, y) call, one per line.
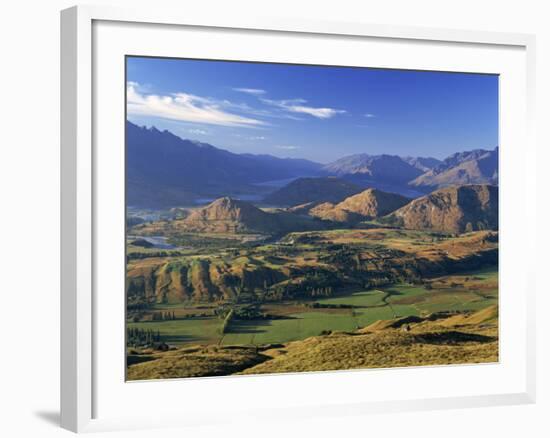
point(453, 209)
point(304, 190)
point(164, 170)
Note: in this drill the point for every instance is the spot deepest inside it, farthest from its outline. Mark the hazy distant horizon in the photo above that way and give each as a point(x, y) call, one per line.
point(316, 113)
point(195, 140)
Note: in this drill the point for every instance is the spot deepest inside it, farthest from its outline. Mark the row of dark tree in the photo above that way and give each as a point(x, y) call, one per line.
point(163, 316)
point(137, 337)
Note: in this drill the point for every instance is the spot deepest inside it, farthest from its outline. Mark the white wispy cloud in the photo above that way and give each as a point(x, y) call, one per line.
point(287, 147)
point(253, 91)
point(257, 137)
point(299, 106)
point(186, 107)
point(197, 131)
point(369, 115)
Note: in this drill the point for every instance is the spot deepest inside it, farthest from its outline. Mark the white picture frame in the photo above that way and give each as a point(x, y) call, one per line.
point(80, 338)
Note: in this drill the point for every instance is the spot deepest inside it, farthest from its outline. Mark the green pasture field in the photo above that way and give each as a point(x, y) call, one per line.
point(184, 331)
point(369, 306)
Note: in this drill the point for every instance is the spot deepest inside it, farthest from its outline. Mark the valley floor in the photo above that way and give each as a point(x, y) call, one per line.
point(450, 319)
point(295, 320)
point(436, 340)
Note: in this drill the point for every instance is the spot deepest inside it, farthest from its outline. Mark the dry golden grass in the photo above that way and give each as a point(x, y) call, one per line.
point(425, 345)
point(457, 339)
point(196, 362)
point(485, 316)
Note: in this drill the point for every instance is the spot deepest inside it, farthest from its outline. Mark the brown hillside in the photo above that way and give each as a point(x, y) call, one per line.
point(373, 203)
point(453, 209)
point(368, 204)
point(398, 256)
point(330, 212)
point(428, 342)
point(228, 215)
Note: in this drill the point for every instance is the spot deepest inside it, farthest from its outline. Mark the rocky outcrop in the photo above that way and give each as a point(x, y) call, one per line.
point(453, 209)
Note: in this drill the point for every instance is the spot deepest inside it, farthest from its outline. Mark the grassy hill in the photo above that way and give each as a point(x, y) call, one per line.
point(366, 205)
point(454, 209)
point(230, 216)
point(303, 261)
point(429, 341)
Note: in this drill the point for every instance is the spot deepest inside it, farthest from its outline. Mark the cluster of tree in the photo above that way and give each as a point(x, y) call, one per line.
point(249, 312)
point(136, 337)
point(163, 316)
point(201, 242)
point(138, 305)
point(343, 259)
point(392, 220)
point(320, 291)
point(145, 255)
point(195, 315)
point(316, 305)
point(278, 293)
point(240, 312)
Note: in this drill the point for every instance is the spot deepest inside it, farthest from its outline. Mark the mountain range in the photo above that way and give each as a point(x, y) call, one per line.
point(456, 209)
point(369, 169)
point(164, 170)
point(227, 215)
point(474, 167)
point(366, 205)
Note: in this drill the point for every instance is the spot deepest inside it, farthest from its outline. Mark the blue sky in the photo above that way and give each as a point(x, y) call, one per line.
point(314, 112)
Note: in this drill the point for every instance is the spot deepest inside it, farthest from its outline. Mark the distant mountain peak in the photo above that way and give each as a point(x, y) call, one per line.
point(164, 170)
point(383, 168)
point(479, 166)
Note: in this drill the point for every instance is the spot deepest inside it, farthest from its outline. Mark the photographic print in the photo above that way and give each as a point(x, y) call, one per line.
point(293, 218)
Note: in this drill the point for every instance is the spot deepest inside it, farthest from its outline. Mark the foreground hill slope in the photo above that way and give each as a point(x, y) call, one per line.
point(304, 190)
point(433, 340)
point(453, 209)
